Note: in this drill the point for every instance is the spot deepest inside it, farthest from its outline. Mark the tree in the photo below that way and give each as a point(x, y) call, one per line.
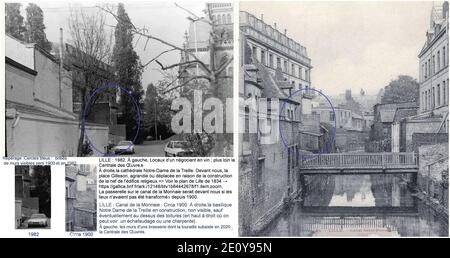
point(157, 114)
point(128, 70)
point(91, 40)
point(402, 89)
point(14, 20)
point(35, 27)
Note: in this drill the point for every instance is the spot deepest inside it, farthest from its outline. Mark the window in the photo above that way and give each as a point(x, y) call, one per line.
point(219, 19)
point(433, 65)
point(278, 63)
point(438, 102)
point(438, 61)
point(263, 57)
point(444, 93)
point(433, 100)
point(289, 164)
point(293, 69)
point(293, 157)
point(300, 73)
point(444, 59)
point(429, 99)
point(331, 116)
point(385, 131)
point(259, 177)
point(423, 72)
point(228, 18)
point(423, 101)
point(246, 136)
point(429, 67)
point(426, 70)
point(254, 50)
point(426, 100)
point(307, 75)
point(285, 66)
point(271, 60)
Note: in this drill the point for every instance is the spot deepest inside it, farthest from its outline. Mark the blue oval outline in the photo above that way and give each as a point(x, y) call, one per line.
point(87, 106)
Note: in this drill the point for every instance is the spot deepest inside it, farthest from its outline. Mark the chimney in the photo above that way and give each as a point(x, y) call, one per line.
point(61, 64)
point(275, 25)
point(262, 17)
point(285, 31)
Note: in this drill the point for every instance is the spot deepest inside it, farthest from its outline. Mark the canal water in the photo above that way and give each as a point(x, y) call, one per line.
point(358, 205)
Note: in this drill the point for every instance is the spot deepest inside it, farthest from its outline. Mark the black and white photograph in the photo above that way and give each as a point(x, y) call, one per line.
point(32, 197)
point(343, 119)
point(81, 197)
point(135, 78)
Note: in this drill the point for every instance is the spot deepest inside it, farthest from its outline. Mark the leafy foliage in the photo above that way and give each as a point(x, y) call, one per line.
point(35, 27)
point(14, 21)
point(128, 71)
point(403, 89)
point(157, 112)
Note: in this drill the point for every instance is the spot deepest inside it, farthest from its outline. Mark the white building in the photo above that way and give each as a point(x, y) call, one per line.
point(276, 51)
point(433, 64)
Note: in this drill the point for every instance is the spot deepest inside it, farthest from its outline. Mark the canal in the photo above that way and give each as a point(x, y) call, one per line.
point(358, 205)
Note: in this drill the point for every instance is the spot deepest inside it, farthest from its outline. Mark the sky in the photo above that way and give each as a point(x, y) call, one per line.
point(353, 45)
point(162, 19)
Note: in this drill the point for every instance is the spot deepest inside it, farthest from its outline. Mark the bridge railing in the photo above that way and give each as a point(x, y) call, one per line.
point(361, 160)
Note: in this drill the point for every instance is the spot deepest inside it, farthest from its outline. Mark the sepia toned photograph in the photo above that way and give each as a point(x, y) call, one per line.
point(140, 79)
point(32, 197)
point(343, 119)
point(81, 198)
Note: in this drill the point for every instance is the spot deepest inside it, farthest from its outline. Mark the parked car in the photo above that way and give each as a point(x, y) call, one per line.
point(178, 149)
point(124, 147)
point(37, 220)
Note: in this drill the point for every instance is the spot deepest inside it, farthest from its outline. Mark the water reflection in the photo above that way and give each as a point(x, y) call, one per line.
point(358, 205)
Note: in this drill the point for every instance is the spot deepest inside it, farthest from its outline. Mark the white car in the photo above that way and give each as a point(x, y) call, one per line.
point(177, 149)
point(37, 220)
point(124, 147)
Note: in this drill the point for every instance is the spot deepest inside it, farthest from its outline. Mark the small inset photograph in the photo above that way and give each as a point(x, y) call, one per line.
point(33, 197)
point(81, 197)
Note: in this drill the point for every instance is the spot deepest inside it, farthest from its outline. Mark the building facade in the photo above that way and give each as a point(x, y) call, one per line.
point(81, 198)
point(39, 104)
point(198, 41)
point(432, 115)
point(275, 130)
point(433, 64)
point(275, 50)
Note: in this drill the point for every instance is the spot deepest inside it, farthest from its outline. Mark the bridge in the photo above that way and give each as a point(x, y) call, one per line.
point(360, 163)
